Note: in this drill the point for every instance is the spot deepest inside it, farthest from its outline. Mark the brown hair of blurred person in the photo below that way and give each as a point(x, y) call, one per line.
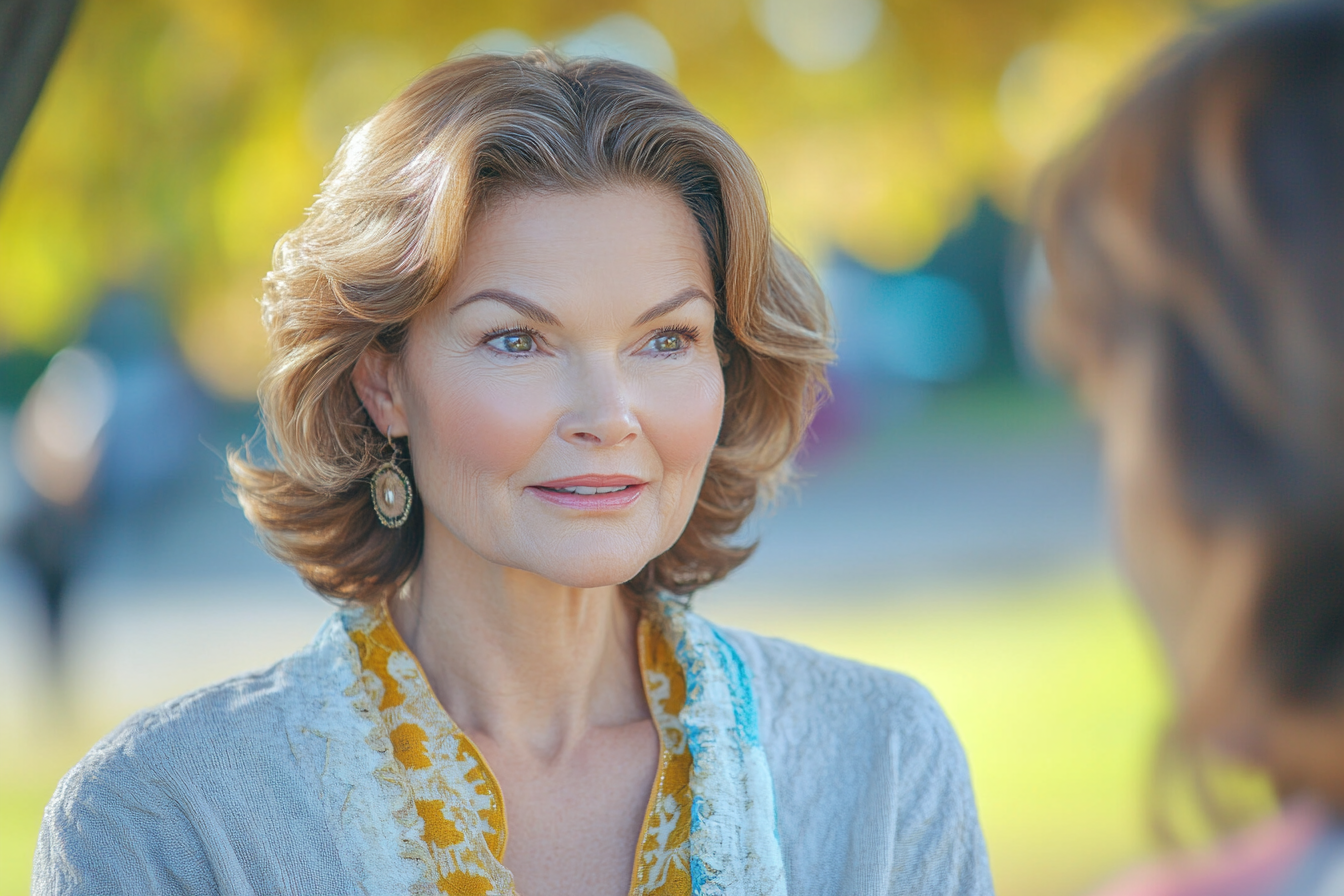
point(1196, 246)
point(380, 243)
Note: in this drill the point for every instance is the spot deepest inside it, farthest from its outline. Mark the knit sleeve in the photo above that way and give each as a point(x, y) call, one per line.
point(872, 791)
point(107, 831)
point(939, 847)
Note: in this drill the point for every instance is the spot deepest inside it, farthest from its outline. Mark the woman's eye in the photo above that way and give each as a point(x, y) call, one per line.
point(667, 342)
point(514, 343)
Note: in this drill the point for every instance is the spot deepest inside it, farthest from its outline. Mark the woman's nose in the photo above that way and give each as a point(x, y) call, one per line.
point(600, 412)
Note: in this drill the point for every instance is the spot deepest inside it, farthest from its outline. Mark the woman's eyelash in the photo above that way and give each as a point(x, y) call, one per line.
point(689, 333)
point(510, 331)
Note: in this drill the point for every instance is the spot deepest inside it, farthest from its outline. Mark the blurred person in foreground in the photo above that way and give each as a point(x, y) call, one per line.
point(1196, 244)
point(536, 356)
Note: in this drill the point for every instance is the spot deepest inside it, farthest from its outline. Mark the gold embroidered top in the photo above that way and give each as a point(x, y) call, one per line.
point(454, 811)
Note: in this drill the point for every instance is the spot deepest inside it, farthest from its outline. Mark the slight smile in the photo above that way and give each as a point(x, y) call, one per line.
point(591, 492)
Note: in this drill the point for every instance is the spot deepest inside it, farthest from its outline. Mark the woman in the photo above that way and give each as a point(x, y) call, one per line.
point(536, 357)
point(1196, 242)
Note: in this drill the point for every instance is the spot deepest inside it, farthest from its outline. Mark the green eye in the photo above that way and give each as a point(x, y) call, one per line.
point(667, 342)
point(514, 343)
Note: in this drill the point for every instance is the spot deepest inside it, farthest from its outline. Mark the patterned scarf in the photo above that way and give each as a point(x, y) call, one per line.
point(710, 828)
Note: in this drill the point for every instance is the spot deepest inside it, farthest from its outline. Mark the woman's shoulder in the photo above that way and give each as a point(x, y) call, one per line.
point(864, 762)
point(147, 764)
point(822, 711)
point(248, 711)
point(802, 683)
point(236, 762)
point(207, 734)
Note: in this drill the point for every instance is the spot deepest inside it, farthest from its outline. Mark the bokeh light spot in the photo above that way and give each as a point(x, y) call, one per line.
point(627, 37)
point(508, 41)
point(819, 35)
point(350, 84)
point(1048, 94)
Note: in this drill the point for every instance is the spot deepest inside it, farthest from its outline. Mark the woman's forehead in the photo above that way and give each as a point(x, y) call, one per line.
point(638, 242)
point(646, 216)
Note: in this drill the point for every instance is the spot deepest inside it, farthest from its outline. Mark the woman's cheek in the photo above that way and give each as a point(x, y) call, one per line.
point(491, 422)
point(683, 415)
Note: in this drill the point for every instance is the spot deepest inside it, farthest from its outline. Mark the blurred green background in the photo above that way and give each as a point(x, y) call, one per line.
point(950, 525)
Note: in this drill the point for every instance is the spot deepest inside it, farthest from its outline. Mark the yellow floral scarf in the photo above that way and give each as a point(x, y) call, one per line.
point(453, 815)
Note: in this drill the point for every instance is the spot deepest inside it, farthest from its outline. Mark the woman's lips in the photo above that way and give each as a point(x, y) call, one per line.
point(590, 492)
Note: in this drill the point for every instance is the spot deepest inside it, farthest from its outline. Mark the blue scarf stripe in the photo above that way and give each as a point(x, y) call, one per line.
point(734, 837)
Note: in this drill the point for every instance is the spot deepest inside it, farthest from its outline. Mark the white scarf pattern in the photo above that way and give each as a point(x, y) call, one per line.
point(734, 837)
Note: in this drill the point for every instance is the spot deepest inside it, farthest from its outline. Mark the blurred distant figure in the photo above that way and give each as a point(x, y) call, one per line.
point(100, 437)
point(1196, 244)
point(57, 448)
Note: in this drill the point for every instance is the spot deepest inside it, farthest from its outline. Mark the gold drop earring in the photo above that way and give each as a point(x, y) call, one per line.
point(391, 489)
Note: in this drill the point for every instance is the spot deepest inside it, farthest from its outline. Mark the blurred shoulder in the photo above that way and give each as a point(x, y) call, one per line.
point(1298, 852)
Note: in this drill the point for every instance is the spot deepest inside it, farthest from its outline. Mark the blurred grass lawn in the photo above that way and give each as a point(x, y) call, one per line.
point(1051, 682)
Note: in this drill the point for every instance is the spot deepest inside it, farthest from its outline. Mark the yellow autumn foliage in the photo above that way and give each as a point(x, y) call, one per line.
point(177, 139)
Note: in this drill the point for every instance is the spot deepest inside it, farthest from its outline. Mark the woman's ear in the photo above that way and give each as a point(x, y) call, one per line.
point(375, 381)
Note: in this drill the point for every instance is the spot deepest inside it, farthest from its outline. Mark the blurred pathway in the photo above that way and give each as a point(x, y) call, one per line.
point(938, 510)
point(184, 596)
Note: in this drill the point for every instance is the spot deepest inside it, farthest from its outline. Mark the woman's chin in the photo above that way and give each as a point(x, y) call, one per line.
point(589, 570)
point(588, 557)
point(594, 578)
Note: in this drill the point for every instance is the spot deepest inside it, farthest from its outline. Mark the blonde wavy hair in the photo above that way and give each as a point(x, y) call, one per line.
point(381, 241)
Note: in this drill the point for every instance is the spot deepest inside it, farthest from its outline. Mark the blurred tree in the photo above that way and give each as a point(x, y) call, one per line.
point(179, 138)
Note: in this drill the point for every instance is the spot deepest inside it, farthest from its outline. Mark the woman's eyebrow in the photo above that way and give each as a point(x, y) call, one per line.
point(525, 307)
point(667, 306)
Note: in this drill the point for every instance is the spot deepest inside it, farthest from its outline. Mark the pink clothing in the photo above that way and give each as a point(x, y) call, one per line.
point(1258, 862)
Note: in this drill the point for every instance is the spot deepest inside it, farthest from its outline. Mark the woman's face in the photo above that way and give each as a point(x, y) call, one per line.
point(563, 394)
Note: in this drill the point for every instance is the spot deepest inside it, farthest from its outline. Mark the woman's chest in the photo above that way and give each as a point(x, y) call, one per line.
point(575, 823)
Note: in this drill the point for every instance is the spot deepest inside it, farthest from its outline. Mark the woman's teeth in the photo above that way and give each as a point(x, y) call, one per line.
point(592, 490)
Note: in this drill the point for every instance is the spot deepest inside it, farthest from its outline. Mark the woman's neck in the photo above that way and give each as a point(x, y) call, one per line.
point(517, 659)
